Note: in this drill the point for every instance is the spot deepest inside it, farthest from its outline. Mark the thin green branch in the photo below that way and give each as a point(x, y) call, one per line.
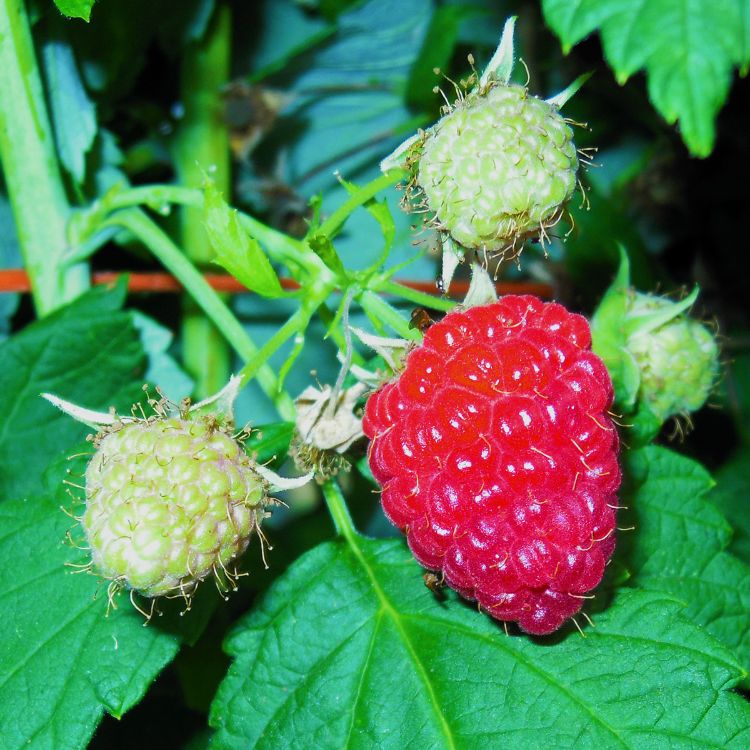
point(335, 221)
point(333, 332)
point(413, 295)
point(279, 246)
point(339, 511)
point(172, 258)
point(299, 344)
point(379, 309)
point(296, 323)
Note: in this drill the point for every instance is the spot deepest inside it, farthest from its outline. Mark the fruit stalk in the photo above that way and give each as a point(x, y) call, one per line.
point(339, 510)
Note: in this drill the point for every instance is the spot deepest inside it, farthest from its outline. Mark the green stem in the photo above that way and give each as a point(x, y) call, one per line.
point(413, 295)
point(30, 167)
point(336, 220)
point(339, 511)
point(164, 249)
point(330, 321)
point(202, 145)
point(279, 246)
point(296, 323)
point(379, 309)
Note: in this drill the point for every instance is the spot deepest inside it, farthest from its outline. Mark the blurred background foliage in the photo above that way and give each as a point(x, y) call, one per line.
point(317, 87)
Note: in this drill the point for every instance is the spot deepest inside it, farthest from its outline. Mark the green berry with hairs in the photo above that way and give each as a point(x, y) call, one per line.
point(678, 360)
point(169, 501)
point(500, 167)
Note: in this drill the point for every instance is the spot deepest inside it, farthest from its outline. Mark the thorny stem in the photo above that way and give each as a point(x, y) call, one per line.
point(164, 249)
point(339, 510)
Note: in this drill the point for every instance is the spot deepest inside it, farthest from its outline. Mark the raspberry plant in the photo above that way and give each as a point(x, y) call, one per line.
point(588, 579)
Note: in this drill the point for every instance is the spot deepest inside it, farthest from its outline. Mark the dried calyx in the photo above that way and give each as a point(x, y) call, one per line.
point(328, 420)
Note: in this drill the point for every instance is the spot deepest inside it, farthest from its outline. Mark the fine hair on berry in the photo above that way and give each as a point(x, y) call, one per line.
point(499, 460)
point(170, 501)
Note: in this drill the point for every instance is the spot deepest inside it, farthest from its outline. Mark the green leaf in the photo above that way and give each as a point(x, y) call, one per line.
point(270, 442)
point(75, 8)
point(87, 352)
point(349, 649)
point(285, 32)
point(323, 247)
point(436, 52)
point(163, 370)
point(239, 253)
point(679, 545)
point(73, 112)
point(732, 496)
point(688, 50)
point(350, 93)
point(329, 9)
point(63, 662)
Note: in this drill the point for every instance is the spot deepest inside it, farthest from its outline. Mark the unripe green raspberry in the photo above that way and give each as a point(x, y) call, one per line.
point(169, 501)
point(497, 169)
point(678, 361)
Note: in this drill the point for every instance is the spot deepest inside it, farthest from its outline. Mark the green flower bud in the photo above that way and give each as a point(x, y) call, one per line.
point(678, 359)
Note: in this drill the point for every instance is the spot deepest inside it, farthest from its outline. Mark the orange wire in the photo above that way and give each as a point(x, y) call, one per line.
point(17, 280)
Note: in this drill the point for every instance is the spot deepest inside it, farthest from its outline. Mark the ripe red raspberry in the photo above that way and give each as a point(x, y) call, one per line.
point(499, 461)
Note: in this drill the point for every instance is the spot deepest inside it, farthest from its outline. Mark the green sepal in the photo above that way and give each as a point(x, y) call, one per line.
point(220, 406)
point(500, 65)
point(643, 426)
point(609, 336)
point(660, 317)
point(560, 100)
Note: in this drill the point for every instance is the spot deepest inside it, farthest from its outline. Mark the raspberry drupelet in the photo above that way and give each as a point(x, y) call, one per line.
point(498, 458)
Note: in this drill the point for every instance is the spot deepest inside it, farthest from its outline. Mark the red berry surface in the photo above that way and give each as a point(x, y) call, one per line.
point(498, 459)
